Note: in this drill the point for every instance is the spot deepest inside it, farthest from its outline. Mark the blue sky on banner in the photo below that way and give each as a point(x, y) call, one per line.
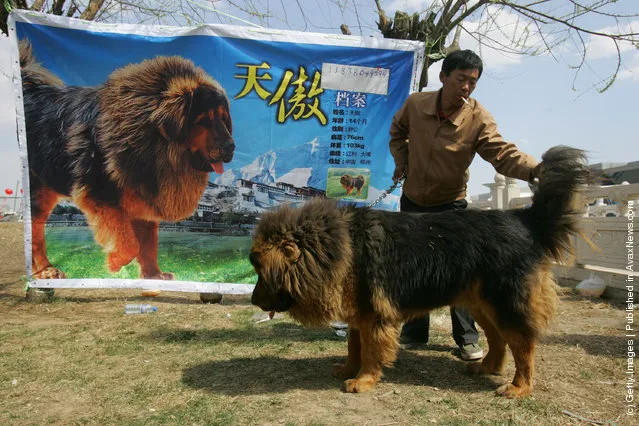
point(532, 98)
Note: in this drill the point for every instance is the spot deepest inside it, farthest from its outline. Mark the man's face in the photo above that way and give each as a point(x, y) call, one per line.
point(459, 84)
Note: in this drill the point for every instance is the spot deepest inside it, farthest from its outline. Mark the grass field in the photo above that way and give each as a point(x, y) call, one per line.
point(334, 188)
point(190, 256)
point(81, 361)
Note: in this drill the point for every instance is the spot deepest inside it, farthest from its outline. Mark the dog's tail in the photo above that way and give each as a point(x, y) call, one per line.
point(555, 215)
point(31, 70)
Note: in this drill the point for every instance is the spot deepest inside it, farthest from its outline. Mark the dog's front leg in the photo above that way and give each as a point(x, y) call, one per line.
point(146, 233)
point(379, 349)
point(354, 360)
point(43, 200)
point(111, 229)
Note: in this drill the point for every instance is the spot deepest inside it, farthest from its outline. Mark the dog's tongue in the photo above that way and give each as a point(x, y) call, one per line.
point(218, 167)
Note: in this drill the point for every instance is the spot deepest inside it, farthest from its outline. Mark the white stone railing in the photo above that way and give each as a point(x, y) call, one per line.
point(604, 200)
point(607, 201)
point(504, 194)
point(605, 223)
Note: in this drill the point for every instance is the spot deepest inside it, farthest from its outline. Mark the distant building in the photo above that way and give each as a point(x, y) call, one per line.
point(616, 173)
point(265, 196)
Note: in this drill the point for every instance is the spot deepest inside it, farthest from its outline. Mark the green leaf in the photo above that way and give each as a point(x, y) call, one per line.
point(436, 56)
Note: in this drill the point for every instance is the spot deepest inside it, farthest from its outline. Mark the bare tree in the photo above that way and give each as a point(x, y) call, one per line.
point(176, 12)
point(536, 27)
point(519, 27)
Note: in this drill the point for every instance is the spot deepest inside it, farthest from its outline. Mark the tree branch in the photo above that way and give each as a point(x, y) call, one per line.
point(593, 9)
point(384, 23)
point(528, 12)
point(454, 45)
point(37, 5)
point(468, 12)
point(57, 7)
point(92, 9)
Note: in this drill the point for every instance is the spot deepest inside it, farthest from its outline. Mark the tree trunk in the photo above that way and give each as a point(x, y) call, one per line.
point(5, 7)
point(423, 80)
point(57, 8)
point(37, 5)
point(92, 9)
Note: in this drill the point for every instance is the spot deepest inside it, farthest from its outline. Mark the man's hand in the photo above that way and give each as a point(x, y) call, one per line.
point(398, 173)
point(535, 177)
point(535, 173)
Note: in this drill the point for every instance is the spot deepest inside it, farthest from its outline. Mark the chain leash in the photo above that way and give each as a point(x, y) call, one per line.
point(396, 184)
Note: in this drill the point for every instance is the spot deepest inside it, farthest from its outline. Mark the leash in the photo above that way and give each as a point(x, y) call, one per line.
point(396, 183)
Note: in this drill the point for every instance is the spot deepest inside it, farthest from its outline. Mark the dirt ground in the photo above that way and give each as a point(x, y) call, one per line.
point(79, 360)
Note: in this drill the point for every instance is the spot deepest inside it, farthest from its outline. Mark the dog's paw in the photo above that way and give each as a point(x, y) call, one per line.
point(344, 371)
point(167, 276)
point(511, 391)
point(49, 273)
point(358, 385)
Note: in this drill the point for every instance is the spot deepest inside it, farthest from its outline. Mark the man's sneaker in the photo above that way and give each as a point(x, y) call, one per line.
point(408, 343)
point(471, 352)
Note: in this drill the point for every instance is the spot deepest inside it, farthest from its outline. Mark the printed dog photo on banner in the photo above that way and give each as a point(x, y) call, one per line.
point(132, 152)
point(347, 183)
point(153, 157)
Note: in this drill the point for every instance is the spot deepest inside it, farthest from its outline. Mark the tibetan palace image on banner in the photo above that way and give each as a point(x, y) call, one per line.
point(151, 151)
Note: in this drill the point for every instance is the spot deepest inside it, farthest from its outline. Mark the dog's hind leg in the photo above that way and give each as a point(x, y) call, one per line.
point(493, 362)
point(146, 233)
point(379, 342)
point(354, 360)
point(523, 349)
point(43, 200)
point(542, 303)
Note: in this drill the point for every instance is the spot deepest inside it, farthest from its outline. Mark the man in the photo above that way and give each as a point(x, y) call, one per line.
point(434, 138)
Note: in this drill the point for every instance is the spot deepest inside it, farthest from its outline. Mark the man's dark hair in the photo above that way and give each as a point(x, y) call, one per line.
point(462, 60)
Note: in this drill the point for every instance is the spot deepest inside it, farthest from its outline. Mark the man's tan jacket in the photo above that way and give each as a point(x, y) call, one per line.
point(437, 152)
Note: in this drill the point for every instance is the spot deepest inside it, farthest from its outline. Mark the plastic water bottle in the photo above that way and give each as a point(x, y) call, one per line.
point(139, 309)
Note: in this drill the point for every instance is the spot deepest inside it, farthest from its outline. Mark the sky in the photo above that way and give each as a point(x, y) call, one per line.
point(536, 101)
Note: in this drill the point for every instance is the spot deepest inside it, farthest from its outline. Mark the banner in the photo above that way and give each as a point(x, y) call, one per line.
point(151, 151)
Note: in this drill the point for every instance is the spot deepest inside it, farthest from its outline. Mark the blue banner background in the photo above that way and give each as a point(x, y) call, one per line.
point(86, 58)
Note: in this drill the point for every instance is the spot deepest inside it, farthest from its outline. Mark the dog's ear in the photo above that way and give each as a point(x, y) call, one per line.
point(290, 251)
point(228, 122)
point(175, 116)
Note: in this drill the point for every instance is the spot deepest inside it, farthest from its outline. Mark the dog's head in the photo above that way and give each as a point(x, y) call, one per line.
point(272, 291)
point(346, 181)
point(180, 103)
point(203, 126)
point(301, 257)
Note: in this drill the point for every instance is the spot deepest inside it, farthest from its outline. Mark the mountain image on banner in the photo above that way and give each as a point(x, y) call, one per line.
point(290, 165)
point(304, 165)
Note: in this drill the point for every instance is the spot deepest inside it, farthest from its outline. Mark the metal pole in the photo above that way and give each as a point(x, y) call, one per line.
point(15, 197)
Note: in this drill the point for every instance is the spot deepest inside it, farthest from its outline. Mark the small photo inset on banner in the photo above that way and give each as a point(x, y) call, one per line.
point(348, 183)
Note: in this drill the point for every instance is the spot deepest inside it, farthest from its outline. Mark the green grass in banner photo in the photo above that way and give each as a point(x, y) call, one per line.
point(190, 256)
